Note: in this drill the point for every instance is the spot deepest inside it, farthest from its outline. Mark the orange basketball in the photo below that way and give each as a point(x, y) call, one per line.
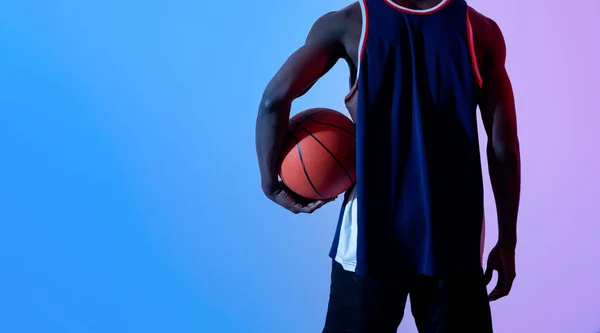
point(319, 154)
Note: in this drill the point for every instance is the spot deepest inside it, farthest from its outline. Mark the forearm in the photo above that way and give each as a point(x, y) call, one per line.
point(505, 175)
point(271, 128)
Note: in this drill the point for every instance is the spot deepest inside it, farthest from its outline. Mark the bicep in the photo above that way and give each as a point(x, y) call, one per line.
point(310, 62)
point(497, 104)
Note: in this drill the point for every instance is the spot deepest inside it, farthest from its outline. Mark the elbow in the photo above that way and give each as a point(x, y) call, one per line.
point(272, 101)
point(505, 151)
point(269, 104)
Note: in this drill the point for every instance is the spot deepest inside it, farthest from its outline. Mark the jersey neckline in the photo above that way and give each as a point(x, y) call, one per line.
point(417, 11)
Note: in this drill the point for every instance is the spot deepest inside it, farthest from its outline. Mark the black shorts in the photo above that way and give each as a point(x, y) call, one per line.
point(358, 304)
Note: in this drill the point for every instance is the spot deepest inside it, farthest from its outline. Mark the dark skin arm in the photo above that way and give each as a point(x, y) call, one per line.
point(322, 49)
point(499, 118)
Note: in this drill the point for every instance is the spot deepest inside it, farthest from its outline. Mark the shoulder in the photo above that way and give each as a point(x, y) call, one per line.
point(335, 24)
point(487, 34)
point(346, 14)
point(352, 12)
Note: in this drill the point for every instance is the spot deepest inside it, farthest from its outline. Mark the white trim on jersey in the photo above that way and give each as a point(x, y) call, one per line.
point(418, 11)
point(363, 37)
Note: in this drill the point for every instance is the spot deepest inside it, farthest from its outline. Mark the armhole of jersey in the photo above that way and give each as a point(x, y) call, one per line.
point(472, 51)
point(361, 46)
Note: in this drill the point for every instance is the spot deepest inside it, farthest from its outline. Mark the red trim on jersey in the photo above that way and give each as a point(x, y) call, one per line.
point(472, 51)
point(361, 51)
point(352, 92)
point(432, 10)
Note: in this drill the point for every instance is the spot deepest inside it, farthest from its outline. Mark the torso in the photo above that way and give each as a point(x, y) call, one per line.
point(351, 39)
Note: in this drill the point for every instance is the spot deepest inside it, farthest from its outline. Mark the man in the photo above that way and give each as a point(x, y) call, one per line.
point(413, 223)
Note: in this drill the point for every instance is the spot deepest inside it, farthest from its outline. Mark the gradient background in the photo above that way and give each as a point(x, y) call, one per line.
point(129, 190)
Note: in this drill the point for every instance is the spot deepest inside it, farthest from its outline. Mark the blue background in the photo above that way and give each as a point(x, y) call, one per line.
point(129, 189)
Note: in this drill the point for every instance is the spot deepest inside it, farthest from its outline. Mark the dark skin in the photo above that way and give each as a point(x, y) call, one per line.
point(336, 36)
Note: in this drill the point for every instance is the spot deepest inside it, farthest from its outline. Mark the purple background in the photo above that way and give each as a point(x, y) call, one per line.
point(553, 62)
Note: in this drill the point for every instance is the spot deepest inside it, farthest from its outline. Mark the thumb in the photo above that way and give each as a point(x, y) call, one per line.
point(487, 276)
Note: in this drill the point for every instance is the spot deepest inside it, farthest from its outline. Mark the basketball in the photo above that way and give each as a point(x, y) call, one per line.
point(319, 155)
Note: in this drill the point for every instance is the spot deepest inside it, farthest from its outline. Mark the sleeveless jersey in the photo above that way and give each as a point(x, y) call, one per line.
point(418, 202)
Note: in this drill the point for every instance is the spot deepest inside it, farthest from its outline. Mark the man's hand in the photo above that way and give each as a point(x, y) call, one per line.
point(501, 260)
point(296, 204)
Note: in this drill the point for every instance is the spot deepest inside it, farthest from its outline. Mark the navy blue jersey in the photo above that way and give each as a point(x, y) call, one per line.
point(419, 178)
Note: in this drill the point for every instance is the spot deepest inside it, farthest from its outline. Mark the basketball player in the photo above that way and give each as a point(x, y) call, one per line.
point(412, 225)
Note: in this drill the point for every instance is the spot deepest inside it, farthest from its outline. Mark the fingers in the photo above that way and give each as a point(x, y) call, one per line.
point(318, 204)
point(487, 276)
point(286, 201)
point(308, 206)
point(296, 204)
point(503, 287)
point(489, 270)
point(296, 208)
point(311, 207)
point(329, 200)
point(496, 295)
